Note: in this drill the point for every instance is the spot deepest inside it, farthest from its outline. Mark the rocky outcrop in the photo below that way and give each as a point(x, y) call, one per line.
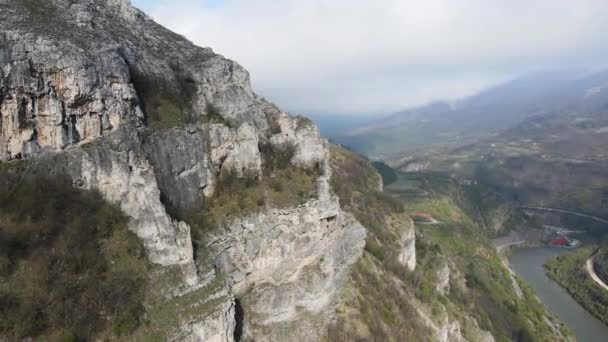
point(443, 280)
point(407, 255)
point(182, 165)
point(97, 91)
point(288, 264)
point(304, 135)
point(217, 326)
point(450, 332)
point(117, 167)
point(446, 329)
point(235, 150)
point(54, 95)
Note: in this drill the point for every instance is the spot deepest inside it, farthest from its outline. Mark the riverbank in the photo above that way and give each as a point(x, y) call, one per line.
point(570, 272)
point(528, 264)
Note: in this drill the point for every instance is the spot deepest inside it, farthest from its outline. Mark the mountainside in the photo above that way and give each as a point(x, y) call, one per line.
point(97, 92)
point(147, 194)
point(571, 271)
point(447, 125)
point(443, 282)
point(557, 160)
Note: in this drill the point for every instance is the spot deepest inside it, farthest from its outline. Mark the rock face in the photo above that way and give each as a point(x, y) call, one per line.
point(407, 256)
point(288, 264)
point(57, 95)
point(218, 326)
point(443, 279)
point(95, 90)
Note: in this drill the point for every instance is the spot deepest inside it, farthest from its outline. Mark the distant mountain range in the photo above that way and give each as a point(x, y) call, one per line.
point(446, 125)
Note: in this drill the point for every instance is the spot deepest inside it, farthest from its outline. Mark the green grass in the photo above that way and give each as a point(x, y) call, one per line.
point(382, 298)
point(164, 315)
point(164, 113)
point(601, 262)
point(568, 270)
point(282, 185)
point(166, 102)
point(376, 303)
point(68, 265)
point(464, 238)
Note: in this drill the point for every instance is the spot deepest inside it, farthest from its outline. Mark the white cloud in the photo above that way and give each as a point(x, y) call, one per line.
point(367, 56)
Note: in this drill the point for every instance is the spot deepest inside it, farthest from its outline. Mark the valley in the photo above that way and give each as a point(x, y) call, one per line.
point(539, 150)
point(523, 243)
point(147, 193)
point(529, 265)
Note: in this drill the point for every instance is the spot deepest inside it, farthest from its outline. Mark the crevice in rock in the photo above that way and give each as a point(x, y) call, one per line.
point(173, 212)
point(239, 317)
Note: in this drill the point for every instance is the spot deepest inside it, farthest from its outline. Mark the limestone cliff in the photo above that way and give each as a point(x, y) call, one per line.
point(254, 227)
point(97, 91)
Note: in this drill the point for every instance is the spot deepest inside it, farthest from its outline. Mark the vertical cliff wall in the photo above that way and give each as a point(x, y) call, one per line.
point(97, 91)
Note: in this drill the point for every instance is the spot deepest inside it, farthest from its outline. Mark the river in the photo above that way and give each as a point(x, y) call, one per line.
point(528, 263)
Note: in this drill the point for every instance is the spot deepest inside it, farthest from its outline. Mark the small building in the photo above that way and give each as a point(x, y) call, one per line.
point(560, 241)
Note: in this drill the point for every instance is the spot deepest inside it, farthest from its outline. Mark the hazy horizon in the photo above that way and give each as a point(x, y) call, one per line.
point(379, 57)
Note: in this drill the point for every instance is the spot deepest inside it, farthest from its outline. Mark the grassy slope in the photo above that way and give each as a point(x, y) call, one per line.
point(569, 271)
point(463, 237)
point(376, 303)
point(601, 262)
point(384, 300)
point(69, 268)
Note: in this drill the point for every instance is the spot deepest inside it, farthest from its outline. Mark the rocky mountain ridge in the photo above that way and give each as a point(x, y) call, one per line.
point(255, 228)
point(97, 91)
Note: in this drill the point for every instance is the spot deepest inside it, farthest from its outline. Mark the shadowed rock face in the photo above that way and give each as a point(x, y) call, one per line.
point(97, 91)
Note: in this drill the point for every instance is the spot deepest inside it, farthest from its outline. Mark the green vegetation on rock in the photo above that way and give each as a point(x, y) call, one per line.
point(282, 185)
point(376, 302)
point(601, 262)
point(164, 315)
point(481, 286)
point(69, 268)
point(384, 300)
point(166, 104)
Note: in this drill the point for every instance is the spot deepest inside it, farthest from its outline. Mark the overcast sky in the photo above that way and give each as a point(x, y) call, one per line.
point(380, 56)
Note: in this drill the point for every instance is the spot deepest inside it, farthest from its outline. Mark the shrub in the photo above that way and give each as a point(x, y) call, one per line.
point(281, 185)
point(166, 102)
point(213, 115)
point(73, 267)
point(276, 157)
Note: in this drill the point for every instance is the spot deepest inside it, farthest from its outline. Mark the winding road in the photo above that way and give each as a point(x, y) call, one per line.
point(565, 212)
point(589, 264)
point(593, 275)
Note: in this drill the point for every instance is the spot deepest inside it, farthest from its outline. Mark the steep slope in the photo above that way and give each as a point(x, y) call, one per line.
point(69, 268)
point(601, 263)
point(570, 271)
point(97, 92)
point(441, 281)
point(251, 224)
